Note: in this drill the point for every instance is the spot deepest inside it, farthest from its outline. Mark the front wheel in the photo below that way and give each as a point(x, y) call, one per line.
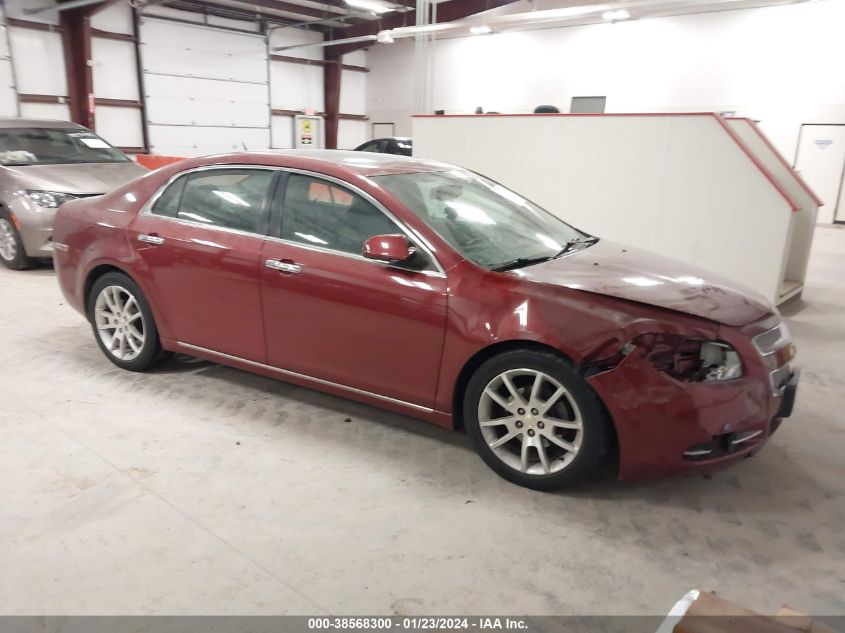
point(534, 421)
point(123, 323)
point(12, 254)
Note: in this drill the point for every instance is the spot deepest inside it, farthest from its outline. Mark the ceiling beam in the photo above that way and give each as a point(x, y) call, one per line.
point(71, 4)
point(459, 9)
point(231, 12)
point(288, 7)
point(446, 12)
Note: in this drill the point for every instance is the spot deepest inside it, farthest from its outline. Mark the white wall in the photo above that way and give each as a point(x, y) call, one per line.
point(781, 65)
point(353, 100)
point(8, 96)
point(294, 86)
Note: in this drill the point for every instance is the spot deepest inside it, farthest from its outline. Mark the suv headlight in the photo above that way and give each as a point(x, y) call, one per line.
point(687, 359)
point(48, 199)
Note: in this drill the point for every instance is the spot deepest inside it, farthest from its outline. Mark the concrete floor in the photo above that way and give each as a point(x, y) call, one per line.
point(202, 489)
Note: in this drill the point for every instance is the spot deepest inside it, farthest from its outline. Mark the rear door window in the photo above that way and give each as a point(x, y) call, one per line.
point(234, 199)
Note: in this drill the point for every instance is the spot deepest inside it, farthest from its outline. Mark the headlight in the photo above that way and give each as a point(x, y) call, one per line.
point(688, 359)
point(48, 199)
point(720, 361)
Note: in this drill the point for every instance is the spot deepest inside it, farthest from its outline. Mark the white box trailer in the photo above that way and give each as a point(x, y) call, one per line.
point(693, 186)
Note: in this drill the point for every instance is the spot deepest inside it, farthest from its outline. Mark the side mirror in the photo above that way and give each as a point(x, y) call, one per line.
point(388, 248)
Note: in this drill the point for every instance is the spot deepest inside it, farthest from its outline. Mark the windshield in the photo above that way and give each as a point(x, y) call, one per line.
point(487, 223)
point(55, 146)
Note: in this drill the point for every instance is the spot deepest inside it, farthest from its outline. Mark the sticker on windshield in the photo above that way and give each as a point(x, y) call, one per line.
point(96, 143)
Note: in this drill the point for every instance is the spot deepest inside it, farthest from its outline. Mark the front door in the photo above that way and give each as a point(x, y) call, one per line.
point(199, 246)
point(331, 314)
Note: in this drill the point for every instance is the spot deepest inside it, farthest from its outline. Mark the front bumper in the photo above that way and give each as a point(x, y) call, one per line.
point(36, 226)
point(787, 402)
point(667, 427)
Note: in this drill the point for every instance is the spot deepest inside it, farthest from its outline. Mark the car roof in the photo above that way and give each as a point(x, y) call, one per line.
point(327, 161)
point(9, 121)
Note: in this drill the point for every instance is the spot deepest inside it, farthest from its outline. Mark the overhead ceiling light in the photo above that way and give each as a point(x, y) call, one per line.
point(480, 30)
point(370, 5)
point(618, 14)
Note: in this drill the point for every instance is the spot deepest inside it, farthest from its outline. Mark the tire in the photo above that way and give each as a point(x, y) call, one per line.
point(521, 440)
point(123, 323)
point(12, 254)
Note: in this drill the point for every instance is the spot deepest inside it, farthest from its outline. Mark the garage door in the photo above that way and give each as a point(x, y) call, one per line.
point(118, 115)
point(206, 89)
point(34, 48)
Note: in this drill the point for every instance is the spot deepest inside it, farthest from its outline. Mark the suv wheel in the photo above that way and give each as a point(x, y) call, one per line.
point(12, 254)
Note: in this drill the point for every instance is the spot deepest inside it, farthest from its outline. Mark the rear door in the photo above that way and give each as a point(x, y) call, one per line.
point(199, 246)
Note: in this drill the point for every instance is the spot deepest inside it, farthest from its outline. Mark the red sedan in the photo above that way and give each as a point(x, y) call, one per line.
point(434, 292)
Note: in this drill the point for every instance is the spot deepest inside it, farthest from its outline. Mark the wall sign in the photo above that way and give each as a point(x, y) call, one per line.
point(308, 132)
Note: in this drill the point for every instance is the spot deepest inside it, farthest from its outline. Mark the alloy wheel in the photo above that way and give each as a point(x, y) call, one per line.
point(8, 243)
point(530, 421)
point(120, 323)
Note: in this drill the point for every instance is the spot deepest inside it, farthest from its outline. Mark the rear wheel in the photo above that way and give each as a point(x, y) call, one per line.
point(123, 323)
point(12, 254)
point(534, 421)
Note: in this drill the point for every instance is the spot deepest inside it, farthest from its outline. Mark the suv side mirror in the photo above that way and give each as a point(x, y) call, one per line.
point(388, 248)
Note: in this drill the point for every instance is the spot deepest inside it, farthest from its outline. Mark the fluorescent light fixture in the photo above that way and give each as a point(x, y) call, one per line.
point(480, 30)
point(618, 14)
point(370, 5)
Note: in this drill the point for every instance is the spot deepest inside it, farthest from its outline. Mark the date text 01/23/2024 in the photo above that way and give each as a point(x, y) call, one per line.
point(416, 623)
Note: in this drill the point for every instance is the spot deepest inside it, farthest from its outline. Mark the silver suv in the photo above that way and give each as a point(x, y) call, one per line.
point(43, 164)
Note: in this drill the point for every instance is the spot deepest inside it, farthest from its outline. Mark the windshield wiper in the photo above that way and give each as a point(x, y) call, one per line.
point(521, 262)
point(588, 241)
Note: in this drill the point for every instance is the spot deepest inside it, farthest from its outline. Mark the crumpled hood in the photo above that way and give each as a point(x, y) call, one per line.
point(83, 178)
point(615, 270)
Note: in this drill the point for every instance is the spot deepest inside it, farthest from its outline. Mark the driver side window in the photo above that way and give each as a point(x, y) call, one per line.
point(321, 213)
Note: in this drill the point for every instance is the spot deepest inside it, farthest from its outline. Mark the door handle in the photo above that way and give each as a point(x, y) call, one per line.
point(150, 239)
point(285, 267)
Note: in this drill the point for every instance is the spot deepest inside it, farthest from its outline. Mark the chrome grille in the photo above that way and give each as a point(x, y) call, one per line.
point(779, 379)
point(772, 340)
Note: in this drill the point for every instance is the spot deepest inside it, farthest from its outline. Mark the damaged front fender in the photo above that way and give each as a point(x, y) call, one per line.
point(658, 418)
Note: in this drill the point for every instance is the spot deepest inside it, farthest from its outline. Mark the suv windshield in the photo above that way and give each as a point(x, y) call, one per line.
point(55, 146)
point(487, 223)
